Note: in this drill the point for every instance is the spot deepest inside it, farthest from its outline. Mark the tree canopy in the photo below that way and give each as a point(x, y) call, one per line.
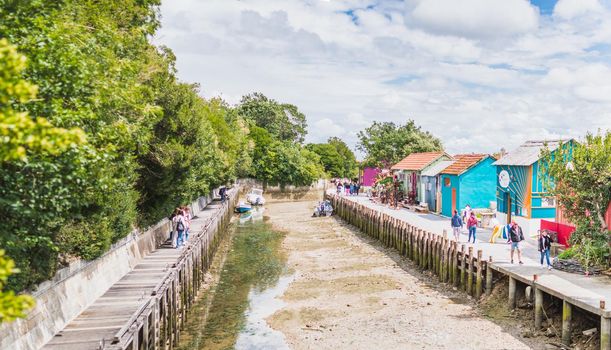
point(386, 143)
point(337, 159)
point(579, 175)
point(284, 121)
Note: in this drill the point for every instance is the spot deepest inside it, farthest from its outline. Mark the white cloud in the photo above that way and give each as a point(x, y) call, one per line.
point(476, 18)
point(480, 75)
point(569, 9)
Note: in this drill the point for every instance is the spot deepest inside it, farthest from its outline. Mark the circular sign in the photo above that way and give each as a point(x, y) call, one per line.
point(504, 178)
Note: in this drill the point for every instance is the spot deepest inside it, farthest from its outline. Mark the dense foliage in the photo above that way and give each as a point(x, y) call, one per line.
point(98, 136)
point(580, 178)
point(11, 306)
point(386, 143)
point(337, 159)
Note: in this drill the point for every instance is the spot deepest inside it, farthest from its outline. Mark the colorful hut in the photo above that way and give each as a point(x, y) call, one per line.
point(470, 179)
point(409, 170)
point(520, 193)
point(431, 180)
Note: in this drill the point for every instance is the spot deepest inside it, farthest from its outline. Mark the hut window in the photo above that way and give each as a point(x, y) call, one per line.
point(548, 202)
point(446, 182)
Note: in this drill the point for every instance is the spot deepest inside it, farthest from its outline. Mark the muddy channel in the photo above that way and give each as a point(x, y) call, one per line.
point(287, 280)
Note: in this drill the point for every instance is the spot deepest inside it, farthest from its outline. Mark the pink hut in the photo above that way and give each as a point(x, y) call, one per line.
point(368, 176)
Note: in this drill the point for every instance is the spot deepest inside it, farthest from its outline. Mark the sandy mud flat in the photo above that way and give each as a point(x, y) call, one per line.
point(348, 293)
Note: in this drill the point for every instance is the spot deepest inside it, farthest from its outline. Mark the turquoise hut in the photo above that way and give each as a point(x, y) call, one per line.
point(520, 194)
point(470, 179)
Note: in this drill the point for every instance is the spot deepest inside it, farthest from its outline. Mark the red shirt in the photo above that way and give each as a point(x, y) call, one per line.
point(472, 221)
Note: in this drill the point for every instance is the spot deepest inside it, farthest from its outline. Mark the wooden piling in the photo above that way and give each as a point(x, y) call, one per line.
point(538, 307)
point(478, 276)
point(512, 293)
point(463, 267)
point(567, 318)
point(605, 333)
point(489, 276)
point(470, 272)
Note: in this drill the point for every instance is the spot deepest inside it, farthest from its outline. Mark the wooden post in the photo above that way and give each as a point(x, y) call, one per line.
point(463, 267)
point(489, 276)
point(567, 318)
point(455, 271)
point(538, 307)
point(478, 276)
point(605, 333)
point(512, 293)
point(470, 273)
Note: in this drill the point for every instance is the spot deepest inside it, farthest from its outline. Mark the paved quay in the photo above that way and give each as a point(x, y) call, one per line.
point(101, 321)
point(586, 292)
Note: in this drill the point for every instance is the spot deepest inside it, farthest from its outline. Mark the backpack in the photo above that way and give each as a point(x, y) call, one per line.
point(180, 226)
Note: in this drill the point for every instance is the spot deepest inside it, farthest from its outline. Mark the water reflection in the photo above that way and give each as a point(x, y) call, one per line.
point(253, 276)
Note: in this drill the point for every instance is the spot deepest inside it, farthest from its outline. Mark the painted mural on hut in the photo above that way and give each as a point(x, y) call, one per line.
point(520, 190)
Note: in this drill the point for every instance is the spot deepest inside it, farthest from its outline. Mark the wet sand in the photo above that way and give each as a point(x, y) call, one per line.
point(348, 293)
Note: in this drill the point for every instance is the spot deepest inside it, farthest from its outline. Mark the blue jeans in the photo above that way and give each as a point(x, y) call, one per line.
point(545, 253)
point(471, 232)
point(180, 238)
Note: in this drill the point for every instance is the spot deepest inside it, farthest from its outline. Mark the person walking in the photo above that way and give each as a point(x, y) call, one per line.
point(466, 213)
point(173, 233)
point(515, 237)
point(457, 223)
point(179, 220)
point(545, 244)
point(340, 188)
point(223, 193)
point(472, 227)
point(186, 212)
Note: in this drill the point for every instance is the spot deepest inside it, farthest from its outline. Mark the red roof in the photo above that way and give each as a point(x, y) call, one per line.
point(418, 161)
point(463, 162)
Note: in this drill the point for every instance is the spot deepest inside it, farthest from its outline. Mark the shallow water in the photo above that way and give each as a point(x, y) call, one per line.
point(253, 277)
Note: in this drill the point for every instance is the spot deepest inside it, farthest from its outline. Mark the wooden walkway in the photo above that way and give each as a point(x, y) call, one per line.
point(107, 316)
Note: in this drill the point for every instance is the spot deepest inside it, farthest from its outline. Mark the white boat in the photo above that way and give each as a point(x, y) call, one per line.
point(255, 197)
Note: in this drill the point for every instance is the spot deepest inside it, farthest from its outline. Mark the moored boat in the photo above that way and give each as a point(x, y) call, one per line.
point(243, 207)
point(255, 197)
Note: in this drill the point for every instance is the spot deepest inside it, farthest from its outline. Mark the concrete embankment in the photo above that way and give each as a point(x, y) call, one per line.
point(469, 271)
point(135, 296)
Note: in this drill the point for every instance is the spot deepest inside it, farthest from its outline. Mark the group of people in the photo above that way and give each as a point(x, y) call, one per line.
point(181, 223)
point(347, 187)
point(512, 231)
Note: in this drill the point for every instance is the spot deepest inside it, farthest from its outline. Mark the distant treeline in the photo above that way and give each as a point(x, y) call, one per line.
point(98, 135)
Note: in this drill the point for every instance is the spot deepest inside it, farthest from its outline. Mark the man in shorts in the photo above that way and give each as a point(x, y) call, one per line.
point(515, 237)
point(456, 225)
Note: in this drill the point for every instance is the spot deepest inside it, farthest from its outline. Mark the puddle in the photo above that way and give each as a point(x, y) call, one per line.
point(253, 277)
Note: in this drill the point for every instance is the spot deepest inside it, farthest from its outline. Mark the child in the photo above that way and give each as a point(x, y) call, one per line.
point(545, 243)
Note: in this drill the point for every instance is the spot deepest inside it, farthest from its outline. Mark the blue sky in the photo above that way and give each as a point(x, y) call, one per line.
point(479, 74)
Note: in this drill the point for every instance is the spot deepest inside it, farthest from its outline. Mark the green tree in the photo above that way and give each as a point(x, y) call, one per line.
point(11, 306)
point(579, 175)
point(337, 159)
point(386, 143)
point(284, 121)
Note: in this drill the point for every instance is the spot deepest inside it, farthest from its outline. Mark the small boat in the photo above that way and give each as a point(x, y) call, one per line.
point(243, 207)
point(255, 197)
point(323, 209)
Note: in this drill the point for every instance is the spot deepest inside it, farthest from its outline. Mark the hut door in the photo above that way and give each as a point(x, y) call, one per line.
point(453, 199)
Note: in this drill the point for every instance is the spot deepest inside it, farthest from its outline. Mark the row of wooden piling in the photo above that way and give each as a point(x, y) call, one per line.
point(451, 263)
point(462, 267)
point(157, 323)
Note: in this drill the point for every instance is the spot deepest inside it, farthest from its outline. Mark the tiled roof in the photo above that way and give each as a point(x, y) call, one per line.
point(437, 168)
point(528, 153)
point(463, 162)
point(418, 161)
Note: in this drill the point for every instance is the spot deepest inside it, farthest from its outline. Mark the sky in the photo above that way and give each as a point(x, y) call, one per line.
point(478, 74)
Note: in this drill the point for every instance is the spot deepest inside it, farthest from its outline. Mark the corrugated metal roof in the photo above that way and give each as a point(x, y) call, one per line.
point(437, 168)
point(463, 163)
point(418, 161)
point(528, 153)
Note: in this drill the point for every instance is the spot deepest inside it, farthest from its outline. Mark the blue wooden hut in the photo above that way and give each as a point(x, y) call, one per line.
point(520, 193)
point(470, 179)
point(430, 178)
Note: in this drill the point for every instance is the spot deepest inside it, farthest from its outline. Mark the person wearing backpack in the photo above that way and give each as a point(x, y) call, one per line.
point(545, 244)
point(515, 237)
point(472, 226)
point(180, 223)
